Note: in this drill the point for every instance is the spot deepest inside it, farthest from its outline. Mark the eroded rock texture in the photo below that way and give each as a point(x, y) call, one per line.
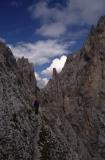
point(74, 101)
point(25, 75)
point(18, 124)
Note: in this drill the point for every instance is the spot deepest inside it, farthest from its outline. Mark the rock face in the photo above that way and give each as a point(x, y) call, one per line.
point(17, 118)
point(25, 75)
point(74, 101)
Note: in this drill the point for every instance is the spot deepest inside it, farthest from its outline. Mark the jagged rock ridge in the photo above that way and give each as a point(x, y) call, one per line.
point(75, 99)
point(17, 118)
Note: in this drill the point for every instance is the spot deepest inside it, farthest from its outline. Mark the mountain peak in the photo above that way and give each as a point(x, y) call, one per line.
point(2, 44)
point(101, 25)
point(101, 20)
point(54, 73)
point(6, 57)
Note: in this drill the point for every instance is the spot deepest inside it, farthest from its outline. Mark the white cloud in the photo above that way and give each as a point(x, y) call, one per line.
point(89, 11)
point(52, 30)
point(41, 10)
point(56, 63)
point(76, 12)
point(40, 52)
point(41, 82)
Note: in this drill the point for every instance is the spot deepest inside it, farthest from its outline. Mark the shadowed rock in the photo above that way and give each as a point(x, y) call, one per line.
point(77, 100)
point(18, 125)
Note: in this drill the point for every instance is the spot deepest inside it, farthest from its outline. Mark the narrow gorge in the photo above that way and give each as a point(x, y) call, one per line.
point(71, 123)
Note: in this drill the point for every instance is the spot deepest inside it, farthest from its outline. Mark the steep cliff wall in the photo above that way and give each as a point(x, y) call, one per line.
point(75, 98)
point(18, 124)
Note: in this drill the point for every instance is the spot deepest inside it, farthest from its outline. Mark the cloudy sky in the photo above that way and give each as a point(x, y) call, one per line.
point(46, 31)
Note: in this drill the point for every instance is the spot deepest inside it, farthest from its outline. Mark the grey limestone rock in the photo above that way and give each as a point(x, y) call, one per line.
point(75, 100)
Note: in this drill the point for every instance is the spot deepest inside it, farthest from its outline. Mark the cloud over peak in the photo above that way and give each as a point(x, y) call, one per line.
point(57, 63)
point(42, 78)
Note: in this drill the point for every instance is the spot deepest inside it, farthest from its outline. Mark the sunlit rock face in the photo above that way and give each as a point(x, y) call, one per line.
point(74, 100)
